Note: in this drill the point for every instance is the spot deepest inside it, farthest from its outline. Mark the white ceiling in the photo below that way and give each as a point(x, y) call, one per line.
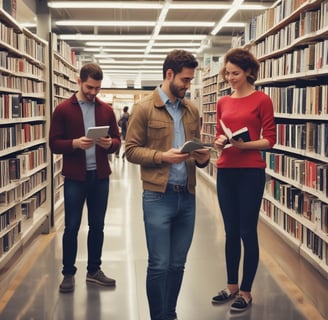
point(133, 42)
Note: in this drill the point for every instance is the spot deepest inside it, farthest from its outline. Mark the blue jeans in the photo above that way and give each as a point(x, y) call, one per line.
point(240, 192)
point(169, 224)
point(95, 193)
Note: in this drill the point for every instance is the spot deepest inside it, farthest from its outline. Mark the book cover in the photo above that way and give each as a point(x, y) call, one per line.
point(97, 132)
point(242, 133)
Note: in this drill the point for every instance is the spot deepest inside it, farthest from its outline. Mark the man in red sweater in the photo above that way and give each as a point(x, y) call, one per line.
point(86, 170)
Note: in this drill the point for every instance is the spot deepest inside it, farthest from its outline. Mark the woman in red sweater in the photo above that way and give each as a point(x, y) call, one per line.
point(241, 171)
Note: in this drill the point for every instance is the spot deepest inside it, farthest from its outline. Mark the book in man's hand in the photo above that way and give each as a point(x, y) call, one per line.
point(242, 133)
point(97, 132)
point(193, 145)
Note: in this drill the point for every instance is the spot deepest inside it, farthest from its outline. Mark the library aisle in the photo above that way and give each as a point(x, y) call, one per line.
point(33, 292)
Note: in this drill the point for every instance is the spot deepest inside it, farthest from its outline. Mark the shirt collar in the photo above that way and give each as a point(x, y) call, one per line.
point(166, 99)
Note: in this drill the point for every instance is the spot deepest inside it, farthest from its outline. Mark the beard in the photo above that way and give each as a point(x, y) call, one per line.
point(87, 96)
point(176, 91)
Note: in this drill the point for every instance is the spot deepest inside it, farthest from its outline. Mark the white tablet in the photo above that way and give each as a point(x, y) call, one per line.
point(97, 132)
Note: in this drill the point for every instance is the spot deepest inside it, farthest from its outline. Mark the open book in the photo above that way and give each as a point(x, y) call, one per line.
point(192, 145)
point(236, 135)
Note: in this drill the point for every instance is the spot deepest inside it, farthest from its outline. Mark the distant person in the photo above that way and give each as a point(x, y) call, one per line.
point(158, 126)
point(241, 171)
point(86, 170)
point(123, 123)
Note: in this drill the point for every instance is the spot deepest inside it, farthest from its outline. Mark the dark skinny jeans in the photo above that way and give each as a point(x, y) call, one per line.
point(240, 192)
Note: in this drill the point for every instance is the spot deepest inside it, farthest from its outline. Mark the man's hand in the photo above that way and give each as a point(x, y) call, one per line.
point(174, 156)
point(105, 143)
point(82, 143)
point(200, 155)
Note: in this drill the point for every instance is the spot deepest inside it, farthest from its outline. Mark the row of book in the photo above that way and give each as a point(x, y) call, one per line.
point(311, 58)
point(310, 137)
point(299, 202)
point(12, 106)
point(19, 65)
point(21, 84)
point(8, 217)
point(273, 16)
point(310, 100)
point(20, 133)
point(294, 228)
point(21, 166)
point(23, 43)
point(10, 238)
point(64, 69)
point(300, 172)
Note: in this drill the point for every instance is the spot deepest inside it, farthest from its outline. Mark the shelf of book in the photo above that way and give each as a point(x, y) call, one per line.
point(63, 81)
point(293, 55)
point(24, 158)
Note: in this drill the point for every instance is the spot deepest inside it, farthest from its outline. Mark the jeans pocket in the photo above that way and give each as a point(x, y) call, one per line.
point(152, 196)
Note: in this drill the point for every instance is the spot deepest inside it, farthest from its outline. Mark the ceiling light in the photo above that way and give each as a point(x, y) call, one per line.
point(148, 56)
point(141, 67)
point(98, 23)
point(112, 50)
point(115, 44)
point(234, 8)
point(99, 37)
point(159, 62)
point(105, 4)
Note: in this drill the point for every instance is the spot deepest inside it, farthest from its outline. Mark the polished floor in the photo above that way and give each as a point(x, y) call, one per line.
point(33, 293)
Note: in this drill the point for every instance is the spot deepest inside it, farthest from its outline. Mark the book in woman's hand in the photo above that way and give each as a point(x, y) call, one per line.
point(242, 134)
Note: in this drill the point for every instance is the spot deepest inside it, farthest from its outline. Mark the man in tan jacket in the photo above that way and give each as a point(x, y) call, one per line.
point(158, 126)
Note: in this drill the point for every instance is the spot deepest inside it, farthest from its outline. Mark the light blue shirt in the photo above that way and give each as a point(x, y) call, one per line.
point(88, 111)
point(178, 171)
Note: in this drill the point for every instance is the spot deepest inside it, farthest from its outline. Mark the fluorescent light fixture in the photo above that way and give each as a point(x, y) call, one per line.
point(130, 23)
point(203, 5)
point(142, 56)
point(105, 4)
point(234, 8)
point(99, 37)
point(128, 71)
point(98, 23)
point(112, 50)
point(175, 44)
point(115, 44)
point(152, 50)
point(144, 68)
point(134, 62)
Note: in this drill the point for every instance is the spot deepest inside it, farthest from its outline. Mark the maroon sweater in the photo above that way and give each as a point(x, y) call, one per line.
point(67, 124)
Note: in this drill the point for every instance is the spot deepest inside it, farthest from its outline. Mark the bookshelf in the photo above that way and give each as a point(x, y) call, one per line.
point(63, 84)
point(24, 156)
point(210, 94)
point(293, 50)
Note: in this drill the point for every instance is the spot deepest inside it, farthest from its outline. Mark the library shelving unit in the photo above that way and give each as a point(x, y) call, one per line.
point(25, 195)
point(63, 82)
point(293, 53)
point(210, 95)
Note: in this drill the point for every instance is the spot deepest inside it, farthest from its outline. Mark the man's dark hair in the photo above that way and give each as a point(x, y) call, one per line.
point(177, 60)
point(91, 70)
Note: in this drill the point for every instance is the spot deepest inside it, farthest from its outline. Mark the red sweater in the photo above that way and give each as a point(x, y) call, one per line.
point(254, 112)
point(67, 124)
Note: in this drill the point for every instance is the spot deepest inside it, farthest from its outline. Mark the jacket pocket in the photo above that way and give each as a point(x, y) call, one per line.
point(158, 130)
